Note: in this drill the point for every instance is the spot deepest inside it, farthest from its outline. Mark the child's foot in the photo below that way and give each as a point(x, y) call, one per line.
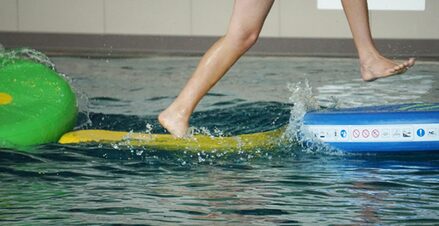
point(176, 124)
point(377, 66)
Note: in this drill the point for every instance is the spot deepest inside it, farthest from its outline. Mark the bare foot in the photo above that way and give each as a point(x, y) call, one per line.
point(174, 122)
point(377, 66)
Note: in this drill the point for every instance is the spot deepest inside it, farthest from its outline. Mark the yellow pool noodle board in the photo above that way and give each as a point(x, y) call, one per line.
point(196, 143)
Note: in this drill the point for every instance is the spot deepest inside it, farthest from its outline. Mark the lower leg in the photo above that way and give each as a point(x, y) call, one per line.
point(373, 64)
point(246, 22)
point(211, 68)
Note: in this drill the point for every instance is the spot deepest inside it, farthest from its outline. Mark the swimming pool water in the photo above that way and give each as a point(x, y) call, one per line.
point(105, 184)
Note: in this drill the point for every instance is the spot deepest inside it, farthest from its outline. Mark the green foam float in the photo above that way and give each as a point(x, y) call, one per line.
point(37, 105)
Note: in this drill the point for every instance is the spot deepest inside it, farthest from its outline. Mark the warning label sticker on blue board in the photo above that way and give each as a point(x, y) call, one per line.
point(375, 133)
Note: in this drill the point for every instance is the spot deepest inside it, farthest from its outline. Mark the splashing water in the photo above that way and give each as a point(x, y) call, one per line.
point(26, 53)
point(303, 101)
point(131, 135)
point(205, 131)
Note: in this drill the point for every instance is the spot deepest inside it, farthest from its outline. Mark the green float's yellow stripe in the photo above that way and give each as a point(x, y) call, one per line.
point(245, 142)
point(5, 98)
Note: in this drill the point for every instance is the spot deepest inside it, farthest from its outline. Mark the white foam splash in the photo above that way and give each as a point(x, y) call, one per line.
point(83, 104)
point(205, 131)
point(31, 54)
point(303, 101)
point(148, 128)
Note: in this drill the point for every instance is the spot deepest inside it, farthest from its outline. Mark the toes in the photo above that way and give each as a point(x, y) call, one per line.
point(403, 67)
point(411, 62)
point(398, 68)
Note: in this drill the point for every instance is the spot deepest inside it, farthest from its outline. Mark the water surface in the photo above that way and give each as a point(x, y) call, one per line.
point(292, 185)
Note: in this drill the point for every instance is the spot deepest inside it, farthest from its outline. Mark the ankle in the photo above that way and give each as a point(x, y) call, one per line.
point(179, 113)
point(368, 53)
point(369, 58)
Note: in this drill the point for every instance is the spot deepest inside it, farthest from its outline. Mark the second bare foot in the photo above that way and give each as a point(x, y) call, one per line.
point(376, 66)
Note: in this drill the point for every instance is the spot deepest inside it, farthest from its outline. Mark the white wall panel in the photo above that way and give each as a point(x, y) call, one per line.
point(8, 15)
point(152, 17)
point(212, 17)
point(61, 16)
point(288, 18)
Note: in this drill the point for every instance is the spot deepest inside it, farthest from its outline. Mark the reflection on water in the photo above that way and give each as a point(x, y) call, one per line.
point(95, 184)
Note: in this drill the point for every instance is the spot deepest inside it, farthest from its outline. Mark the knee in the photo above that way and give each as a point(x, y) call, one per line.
point(244, 39)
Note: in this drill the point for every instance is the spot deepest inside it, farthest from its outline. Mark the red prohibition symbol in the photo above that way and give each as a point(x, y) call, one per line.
point(375, 133)
point(356, 133)
point(365, 133)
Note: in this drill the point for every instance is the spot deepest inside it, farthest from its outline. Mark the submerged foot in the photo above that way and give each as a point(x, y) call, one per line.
point(375, 67)
point(176, 124)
